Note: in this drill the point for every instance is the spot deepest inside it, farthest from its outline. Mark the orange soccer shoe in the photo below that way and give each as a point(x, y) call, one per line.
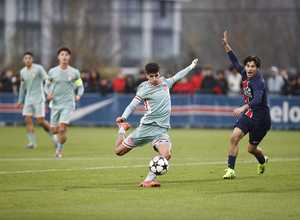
point(149, 184)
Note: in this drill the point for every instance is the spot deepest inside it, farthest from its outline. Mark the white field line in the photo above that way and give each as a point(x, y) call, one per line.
point(138, 166)
point(68, 158)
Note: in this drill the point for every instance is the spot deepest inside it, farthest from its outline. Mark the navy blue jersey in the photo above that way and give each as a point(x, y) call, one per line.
point(253, 91)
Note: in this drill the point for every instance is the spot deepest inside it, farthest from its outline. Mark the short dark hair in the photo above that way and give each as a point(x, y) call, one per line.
point(152, 68)
point(66, 49)
point(28, 53)
point(255, 59)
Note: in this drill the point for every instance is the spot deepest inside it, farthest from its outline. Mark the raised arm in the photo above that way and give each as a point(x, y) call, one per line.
point(233, 59)
point(181, 74)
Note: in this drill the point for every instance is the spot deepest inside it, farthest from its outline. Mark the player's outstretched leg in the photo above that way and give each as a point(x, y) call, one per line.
point(261, 158)
point(46, 126)
point(120, 148)
point(235, 138)
point(164, 149)
point(30, 133)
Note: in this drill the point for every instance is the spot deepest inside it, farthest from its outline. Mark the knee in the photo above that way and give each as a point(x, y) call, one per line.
point(118, 152)
point(53, 130)
point(168, 156)
point(122, 150)
point(28, 120)
point(62, 130)
point(40, 121)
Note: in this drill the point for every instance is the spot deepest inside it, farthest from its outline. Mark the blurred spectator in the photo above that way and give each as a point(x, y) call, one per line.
point(118, 84)
point(294, 85)
point(9, 82)
point(130, 86)
point(234, 81)
point(141, 78)
point(297, 89)
point(105, 86)
point(222, 87)
point(85, 76)
point(209, 83)
point(93, 85)
point(196, 80)
point(281, 82)
point(184, 86)
point(275, 82)
point(285, 90)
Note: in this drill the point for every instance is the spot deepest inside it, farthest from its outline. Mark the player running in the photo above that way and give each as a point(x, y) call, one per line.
point(254, 115)
point(63, 81)
point(32, 98)
point(155, 123)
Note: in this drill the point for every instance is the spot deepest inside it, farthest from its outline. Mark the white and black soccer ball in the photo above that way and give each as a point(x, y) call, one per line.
point(159, 165)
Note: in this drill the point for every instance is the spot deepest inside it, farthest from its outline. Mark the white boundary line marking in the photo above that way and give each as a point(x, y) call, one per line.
point(69, 158)
point(139, 166)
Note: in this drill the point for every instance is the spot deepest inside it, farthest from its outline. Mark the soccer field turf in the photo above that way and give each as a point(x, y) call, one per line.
point(91, 183)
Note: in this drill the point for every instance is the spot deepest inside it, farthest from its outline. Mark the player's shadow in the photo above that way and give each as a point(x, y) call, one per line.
point(111, 185)
point(166, 184)
point(210, 180)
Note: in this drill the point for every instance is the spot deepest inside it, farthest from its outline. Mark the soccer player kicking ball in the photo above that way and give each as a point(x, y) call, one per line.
point(61, 86)
point(155, 123)
point(254, 115)
point(32, 98)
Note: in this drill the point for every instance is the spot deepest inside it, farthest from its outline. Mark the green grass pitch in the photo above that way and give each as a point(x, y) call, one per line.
point(90, 182)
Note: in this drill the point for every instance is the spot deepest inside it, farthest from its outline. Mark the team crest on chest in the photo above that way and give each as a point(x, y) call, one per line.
point(247, 89)
point(33, 74)
point(165, 87)
point(70, 78)
point(247, 92)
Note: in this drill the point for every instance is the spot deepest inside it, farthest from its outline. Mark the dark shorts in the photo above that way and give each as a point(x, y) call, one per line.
point(257, 129)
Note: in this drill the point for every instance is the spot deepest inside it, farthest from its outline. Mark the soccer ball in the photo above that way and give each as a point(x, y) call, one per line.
point(159, 165)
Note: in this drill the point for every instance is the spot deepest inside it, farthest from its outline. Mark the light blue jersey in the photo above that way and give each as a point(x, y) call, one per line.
point(156, 99)
point(32, 85)
point(62, 84)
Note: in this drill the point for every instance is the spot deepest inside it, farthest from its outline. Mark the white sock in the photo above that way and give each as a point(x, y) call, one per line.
point(31, 138)
point(151, 176)
point(53, 137)
point(121, 131)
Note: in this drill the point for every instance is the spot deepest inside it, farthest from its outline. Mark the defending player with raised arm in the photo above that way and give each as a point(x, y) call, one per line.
point(253, 116)
point(154, 125)
point(32, 98)
point(61, 86)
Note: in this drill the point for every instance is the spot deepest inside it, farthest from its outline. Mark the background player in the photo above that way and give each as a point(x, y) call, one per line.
point(254, 116)
point(155, 123)
point(61, 86)
point(32, 98)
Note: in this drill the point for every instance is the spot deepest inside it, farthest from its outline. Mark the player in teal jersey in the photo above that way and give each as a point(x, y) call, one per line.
point(32, 97)
point(63, 81)
point(155, 123)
